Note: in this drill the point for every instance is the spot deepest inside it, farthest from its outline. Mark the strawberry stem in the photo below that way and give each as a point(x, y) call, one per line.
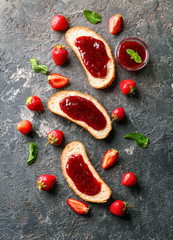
point(25, 96)
point(47, 143)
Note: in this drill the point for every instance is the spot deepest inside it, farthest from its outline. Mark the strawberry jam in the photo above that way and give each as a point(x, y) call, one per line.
point(94, 55)
point(81, 175)
point(125, 60)
point(81, 109)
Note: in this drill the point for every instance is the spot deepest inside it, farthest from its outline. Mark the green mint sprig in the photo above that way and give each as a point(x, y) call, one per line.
point(37, 67)
point(32, 153)
point(134, 55)
point(91, 16)
point(140, 139)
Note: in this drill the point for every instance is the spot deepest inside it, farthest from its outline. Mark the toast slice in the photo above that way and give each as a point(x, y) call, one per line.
point(54, 106)
point(74, 148)
point(71, 35)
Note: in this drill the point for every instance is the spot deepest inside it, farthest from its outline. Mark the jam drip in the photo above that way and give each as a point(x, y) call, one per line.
point(82, 177)
point(124, 57)
point(81, 109)
point(94, 55)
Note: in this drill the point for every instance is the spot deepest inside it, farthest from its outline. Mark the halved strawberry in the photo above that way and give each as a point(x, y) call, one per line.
point(109, 158)
point(115, 23)
point(78, 206)
point(56, 80)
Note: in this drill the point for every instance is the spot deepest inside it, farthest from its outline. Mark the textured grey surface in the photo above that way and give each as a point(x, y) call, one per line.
point(25, 212)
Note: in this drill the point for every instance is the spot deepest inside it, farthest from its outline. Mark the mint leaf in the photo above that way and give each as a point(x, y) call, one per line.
point(138, 59)
point(140, 139)
point(134, 55)
point(130, 51)
point(32, 153)
point(91, 16)
point(37, 67)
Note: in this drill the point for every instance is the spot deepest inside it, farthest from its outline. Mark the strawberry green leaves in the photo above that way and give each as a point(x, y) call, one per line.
point(91, 16)
point(32, 153)
point(37, 67)
point(134, 55)
point(140, 139)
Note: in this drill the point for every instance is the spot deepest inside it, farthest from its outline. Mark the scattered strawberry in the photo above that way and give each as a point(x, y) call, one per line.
point(57, 80)
point(45, 182)
point(59, 23)
point(59, 54)
point(34, 103)
point(78, 206)
point(129, 179)
point(118, 208)
point(128, 87)
point(55, 137)
point(115, 24)
point(24, 126)
point(109, 158)
point(118, 114)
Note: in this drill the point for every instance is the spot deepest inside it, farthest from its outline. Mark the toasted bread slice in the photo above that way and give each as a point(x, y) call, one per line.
point(71, 35)
point(54, 106)
point(74, 148)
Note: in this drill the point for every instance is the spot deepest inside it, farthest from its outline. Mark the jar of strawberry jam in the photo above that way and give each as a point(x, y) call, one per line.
point(132, 54)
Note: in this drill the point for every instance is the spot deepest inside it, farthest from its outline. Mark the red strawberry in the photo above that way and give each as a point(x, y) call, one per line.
point(59, 23)
point(118, 208)
point(128, 87)
point(115, 23)
point(55, 137)
point(57, 80)
point(45, 182)
point(24, 126)
point(129, 179)
point(118, 114)
point(34, 103)
point(78, 206)
point(109, 158)
point(59, 54)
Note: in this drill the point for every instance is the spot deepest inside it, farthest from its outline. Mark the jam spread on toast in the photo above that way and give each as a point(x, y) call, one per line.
point(81, 175)
point(94, 55)
point(82, 109)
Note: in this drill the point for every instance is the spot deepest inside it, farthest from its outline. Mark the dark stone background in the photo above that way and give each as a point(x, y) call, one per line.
point(25, 212)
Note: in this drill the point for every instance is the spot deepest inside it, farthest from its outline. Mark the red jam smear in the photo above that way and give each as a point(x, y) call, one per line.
point(94, 55)
point(82, 109)
point(82, 177)
point(124, 57)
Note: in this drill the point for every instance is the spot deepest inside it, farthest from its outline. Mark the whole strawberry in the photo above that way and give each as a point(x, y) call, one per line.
point(118, 208)
point(34, 103)
point(128, 87)
point(115, 24)
point(59, 23)
point(24, 127)
point(45, 182)
point(129, 179)
point(118, 114)
point(109, 158)
point(59, 54)
point(55, 137)
point(78, 206)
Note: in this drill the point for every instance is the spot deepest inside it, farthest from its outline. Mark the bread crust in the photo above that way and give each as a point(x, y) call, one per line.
point(107, 83)
point(95, 133)
point(85, 197)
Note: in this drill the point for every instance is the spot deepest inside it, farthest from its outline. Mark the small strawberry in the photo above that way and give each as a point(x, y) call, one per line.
point(59, 23)
point(55, 137)
point(78, 206)
point(118, 114)
point(59, 54)
point(118, 208)
point(109, 158)
point(34, 103)
point(57, 80)
point(24, 126)
point(129, 179)
point(115, 24)
point(128, 87)
point(45, 182)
